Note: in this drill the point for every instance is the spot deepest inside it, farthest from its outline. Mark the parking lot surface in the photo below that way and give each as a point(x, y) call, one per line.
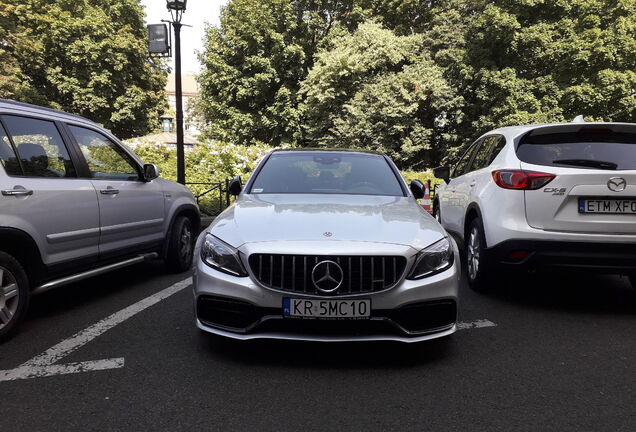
point(555, 352)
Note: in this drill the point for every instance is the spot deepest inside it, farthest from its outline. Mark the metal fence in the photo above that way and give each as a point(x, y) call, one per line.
point(224, 197)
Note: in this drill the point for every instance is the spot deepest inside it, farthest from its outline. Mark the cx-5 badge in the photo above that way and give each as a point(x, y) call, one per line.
point(327, 276)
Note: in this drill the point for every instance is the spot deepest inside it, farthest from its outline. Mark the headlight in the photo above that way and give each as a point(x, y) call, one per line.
point(221, 256)
point(434, 259)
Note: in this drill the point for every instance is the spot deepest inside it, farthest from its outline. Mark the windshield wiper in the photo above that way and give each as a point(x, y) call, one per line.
point(587, 163)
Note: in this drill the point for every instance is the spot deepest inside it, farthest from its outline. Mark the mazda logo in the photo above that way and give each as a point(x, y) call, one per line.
point(617, 184)
point(327, 276)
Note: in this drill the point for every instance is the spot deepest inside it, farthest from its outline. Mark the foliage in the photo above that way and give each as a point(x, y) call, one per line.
point(375, 90)
point(205, 163)
point(304, 72)
point(87, 57)
point(253, 64)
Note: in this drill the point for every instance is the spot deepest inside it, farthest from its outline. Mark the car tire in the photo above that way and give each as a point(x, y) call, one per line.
point(437, 213)
point(14, 295)
point(181, 245)
point(479, 270)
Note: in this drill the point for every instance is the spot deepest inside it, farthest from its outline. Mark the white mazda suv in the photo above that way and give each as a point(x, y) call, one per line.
point(544, 196)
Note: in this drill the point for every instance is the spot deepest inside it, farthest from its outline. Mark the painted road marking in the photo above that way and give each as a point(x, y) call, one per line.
point(44, 364)
point(475, 324)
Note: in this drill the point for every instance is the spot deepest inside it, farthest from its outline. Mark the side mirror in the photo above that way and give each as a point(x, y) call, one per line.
point(235, 186)
point(442, 172)
point(417, 188)
point(151, 172)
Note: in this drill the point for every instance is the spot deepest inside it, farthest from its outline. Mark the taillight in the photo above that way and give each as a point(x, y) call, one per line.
point(521, 179)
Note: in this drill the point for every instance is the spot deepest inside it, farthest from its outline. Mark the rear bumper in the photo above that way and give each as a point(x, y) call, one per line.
point(616, 258)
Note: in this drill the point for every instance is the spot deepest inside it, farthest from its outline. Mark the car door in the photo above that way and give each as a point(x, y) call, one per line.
point(131, 210)
point(454, 202)
point(42, 194)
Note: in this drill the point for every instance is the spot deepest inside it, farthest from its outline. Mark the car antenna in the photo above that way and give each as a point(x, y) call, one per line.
point(578, 119)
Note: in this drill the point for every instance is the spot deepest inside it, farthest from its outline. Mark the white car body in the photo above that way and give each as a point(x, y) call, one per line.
point(543, 226)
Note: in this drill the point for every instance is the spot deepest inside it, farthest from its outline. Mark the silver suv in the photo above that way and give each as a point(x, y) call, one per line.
point(74, 203)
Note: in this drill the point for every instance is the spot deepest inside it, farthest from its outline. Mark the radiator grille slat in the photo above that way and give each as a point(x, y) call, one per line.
point(361, 274)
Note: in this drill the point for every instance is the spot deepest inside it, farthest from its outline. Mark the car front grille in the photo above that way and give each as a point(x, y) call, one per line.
point(360, 274)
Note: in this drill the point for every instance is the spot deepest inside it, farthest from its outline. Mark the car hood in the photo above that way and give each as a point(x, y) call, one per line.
point(323, 217)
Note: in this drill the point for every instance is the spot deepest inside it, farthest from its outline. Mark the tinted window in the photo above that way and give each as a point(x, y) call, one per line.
point(588, 148)
point(481, 157)
point(462, 165)
point(7, 156)
point(105, 159)
point(496, 149)
point(328, 173)
point(40, 147)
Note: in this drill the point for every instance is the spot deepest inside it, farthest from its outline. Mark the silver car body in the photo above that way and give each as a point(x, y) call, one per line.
point(325, 225)
point(70, 219)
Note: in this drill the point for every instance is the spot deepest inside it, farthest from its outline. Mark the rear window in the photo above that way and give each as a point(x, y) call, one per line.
point(588, 148)
point(326, 173)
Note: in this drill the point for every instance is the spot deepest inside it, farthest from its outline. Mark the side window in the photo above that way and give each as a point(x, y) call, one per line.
point(8, 158)
point(481, 157)
point(496, 148)
point(462, 166)
point(40, 147)
point(106, 160)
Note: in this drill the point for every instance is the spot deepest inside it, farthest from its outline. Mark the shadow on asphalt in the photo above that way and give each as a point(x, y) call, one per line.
point(574, 292)
point(332, 355)
point(76, 295)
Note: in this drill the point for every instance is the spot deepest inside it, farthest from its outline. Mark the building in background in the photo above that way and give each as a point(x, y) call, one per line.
point(190, 90)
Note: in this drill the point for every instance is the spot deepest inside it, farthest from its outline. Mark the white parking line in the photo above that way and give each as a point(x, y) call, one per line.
point(475, 324)
point(43, 365)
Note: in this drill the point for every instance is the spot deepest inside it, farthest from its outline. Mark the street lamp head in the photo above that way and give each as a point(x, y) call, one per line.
point(177, 5)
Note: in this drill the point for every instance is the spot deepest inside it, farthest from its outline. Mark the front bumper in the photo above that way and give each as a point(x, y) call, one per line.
point(613, 258)
point(412, 311)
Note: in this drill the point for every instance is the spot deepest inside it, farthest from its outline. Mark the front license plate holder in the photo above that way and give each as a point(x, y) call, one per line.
point(328, 309)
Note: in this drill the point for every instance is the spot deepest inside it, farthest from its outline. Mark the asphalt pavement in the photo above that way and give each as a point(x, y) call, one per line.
point(120, 352)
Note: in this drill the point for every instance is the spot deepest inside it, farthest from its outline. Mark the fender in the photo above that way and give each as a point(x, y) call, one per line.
point(472, 208)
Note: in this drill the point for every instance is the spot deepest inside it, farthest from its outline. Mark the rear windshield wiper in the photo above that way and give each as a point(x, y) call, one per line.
point(587, 163)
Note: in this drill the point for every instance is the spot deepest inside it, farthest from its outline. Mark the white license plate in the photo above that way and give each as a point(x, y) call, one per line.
point(607, 205)
point(316, 308)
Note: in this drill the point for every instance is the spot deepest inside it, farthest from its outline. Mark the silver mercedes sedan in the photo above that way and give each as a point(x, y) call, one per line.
point(326, 246)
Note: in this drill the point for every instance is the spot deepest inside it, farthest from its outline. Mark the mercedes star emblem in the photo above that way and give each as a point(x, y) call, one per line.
point(327, 276)
point(617, 184)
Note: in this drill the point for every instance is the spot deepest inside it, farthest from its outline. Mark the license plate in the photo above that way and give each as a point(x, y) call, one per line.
point(333, 309)
point(607, 205)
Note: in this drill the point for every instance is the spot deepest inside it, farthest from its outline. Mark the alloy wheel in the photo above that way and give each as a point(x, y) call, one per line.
point(9, 297)
point(473, 250)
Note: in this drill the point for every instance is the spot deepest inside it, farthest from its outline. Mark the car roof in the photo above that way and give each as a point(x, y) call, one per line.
point(327, 150)
point(522, 129)
point(25, 108)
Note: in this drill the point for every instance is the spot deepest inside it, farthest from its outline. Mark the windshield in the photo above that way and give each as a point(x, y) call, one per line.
point(326, 173)
point(588, 148)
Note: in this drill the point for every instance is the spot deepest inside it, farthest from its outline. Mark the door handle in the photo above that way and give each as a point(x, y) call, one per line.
point(17, 192)
point(473, 184)
point(109, 191)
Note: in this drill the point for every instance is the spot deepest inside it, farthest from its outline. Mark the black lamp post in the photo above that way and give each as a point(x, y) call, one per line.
point(176, 8)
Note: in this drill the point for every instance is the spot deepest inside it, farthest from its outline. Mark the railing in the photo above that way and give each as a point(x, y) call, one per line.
point(221, 187)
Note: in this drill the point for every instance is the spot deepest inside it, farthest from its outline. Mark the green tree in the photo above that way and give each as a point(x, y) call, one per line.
point(254, 61)
point(376, 90)
point(539, 60)
point(88, 57)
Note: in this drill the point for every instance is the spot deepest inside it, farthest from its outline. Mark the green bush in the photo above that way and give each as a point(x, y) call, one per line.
point(216, 161)
point(205, 163)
